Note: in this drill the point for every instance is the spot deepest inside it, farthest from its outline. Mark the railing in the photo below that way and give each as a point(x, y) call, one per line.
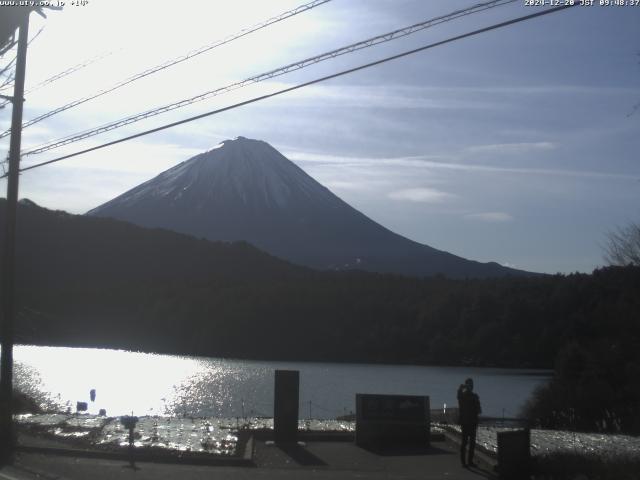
point(444, 415)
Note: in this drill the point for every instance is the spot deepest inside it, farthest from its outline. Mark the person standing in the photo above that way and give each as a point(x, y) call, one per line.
point(469, 409)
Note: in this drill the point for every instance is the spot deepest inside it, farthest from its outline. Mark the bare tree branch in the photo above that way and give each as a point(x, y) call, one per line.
point(8, 80)
point(623, 246)
point(8, 46)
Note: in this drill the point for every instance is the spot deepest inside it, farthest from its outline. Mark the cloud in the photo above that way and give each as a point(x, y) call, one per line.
point(428, 97)
point(388, 96)
point(423, 195)
point(342, 185)
point(300, 156)
point(521, 171)
point(313, 157)
point(494, 217)
point(511, 148)
point(448, 162)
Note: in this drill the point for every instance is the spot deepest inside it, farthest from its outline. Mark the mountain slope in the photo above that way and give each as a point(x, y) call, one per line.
point(246, 190)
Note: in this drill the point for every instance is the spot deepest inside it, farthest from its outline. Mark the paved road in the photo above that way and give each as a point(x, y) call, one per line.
point(315, 460)
point(12, 473)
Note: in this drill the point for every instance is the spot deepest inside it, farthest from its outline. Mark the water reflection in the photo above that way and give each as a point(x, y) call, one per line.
point(124, 382)
point(215, 389)
point(163, 385)
point(200, 435)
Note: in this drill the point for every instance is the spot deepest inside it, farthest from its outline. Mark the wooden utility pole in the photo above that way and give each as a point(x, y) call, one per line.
point(8, 260)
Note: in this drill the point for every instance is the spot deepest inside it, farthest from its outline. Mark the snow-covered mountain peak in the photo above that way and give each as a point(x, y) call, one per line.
point(240, 140)
point(247, 171)
point(244, 189)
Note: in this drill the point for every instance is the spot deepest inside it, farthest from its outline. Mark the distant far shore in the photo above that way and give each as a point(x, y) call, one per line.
point(529, 369)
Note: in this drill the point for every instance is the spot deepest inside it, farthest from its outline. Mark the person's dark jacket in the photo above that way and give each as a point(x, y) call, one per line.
point(469, 407)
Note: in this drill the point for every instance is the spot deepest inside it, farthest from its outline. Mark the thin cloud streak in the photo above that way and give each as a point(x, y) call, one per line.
point(421, 195)
point(342, 185)
point(493, 217)
point(393, 96)
point(524, 171)
point(407, 96)
point(511, 148)
point(440, 162)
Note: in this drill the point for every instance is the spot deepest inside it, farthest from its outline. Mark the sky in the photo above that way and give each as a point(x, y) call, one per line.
point(518, 145)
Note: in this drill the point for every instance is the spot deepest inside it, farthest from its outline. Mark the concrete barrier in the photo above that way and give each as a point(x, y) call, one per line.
point(514, 454)
point(392, 420)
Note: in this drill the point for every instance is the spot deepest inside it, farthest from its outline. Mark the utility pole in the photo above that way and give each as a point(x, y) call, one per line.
point(7, 439)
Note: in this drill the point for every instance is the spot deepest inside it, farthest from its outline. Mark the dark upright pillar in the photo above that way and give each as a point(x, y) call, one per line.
point(8, 273)
point(285, 405)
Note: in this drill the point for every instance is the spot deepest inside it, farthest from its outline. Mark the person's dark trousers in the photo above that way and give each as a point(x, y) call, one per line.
point(468, 437)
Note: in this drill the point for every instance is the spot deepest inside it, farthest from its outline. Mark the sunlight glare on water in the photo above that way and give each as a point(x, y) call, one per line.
point(125, 382)
point(150, 384)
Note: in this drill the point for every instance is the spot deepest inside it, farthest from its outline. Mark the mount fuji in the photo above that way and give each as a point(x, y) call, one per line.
point(246, 190)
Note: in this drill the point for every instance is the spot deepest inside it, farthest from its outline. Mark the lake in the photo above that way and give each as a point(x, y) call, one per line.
point(151, 384)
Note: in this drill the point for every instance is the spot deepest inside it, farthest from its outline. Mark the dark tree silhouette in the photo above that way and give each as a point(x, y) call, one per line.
point(623, 246)
point(89, 281)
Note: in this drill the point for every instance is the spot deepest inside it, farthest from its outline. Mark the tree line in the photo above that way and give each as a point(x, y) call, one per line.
point(98, 282)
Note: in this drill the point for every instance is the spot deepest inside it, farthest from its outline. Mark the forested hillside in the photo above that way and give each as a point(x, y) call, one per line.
point(100, 282)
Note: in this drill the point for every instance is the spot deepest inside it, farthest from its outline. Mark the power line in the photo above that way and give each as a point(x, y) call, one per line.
point(386, 37)
point(175, 61)
point(70, 70)
point(305, 84)
point(63, 74)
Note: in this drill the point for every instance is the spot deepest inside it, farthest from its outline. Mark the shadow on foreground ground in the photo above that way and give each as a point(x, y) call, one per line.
point(317, 460)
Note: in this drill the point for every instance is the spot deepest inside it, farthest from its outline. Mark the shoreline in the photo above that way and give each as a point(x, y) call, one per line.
point(616, 456)
point(527, 369)
point(221, 435)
